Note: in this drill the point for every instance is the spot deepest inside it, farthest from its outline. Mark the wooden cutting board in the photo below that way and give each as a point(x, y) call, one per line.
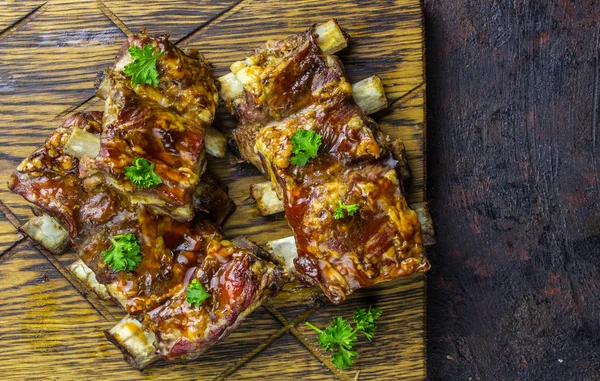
point(51, 326)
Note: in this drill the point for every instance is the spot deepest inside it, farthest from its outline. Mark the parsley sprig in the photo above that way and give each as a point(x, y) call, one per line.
point(196, 293)
point(339, 211)
point(124, 255)
point(141, 173)
point(339, 337)
point(305, 144)
point(142, 69)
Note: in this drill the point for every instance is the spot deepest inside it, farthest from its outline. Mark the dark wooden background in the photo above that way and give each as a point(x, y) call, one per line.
point(513, 164)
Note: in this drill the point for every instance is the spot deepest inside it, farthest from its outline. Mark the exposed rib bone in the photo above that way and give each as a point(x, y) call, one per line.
point(103, 291)
point(47, 231)
point(88, 278)
point(267, 199)
point(331, 39)
point(230, 87)
point(82, 143)
point(427, 230)
point(215, 142)
point(136, 344)
point(284, 251)
point(369, 95)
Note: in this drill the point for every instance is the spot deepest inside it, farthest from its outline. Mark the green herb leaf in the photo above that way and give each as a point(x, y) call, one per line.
point(365, 321)
point(125, 253)
point(196, 293)
point(305, 145)
point(339, 211)
point(339, 337)
point(141, 173)
point(343, 358)
point(339, 332)
point(142, 69)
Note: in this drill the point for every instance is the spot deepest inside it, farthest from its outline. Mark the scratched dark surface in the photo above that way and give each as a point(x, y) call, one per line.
point(513, 166)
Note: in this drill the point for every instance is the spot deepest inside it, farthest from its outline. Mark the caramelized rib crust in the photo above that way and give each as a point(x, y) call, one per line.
point(165, 124)
point(173, 252)
point(49, 177)
point(239, 282)
point(211, 197)
point(291, 85)
point(281, 78)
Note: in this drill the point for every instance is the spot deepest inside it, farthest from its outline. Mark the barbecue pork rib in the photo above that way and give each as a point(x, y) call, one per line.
point(49, 177)
point(291, 85)
point(173, 252)
point(94, 212)
point(165, 124)
point(77, 176)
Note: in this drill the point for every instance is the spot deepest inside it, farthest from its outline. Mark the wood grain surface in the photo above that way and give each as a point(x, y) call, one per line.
point(513, 116)
point(51, 53)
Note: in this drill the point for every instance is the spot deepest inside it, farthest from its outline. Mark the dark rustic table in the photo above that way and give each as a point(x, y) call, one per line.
point(513, 114)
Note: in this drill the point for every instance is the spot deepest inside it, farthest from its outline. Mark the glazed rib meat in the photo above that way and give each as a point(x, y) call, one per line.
point(49, 177)
point(165, 124)
point(239, 280)
point(173, 252)
point(77, 177)
point(291, 85)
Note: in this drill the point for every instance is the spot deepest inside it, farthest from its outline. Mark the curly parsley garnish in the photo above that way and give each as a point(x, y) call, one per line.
point(196, 293)
point(125, 254)
point(339, 337)
point(141, 173)
point(142, 69)
point(339, 211)
point(305, 144)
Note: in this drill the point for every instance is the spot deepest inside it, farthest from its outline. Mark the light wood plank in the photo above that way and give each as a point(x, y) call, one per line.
point(48, 326)
point(8, 233)
point(14, 11)
point(51, 66)
point(171, 16)
point(49, 69)
point(263, 367)
point(397, 349)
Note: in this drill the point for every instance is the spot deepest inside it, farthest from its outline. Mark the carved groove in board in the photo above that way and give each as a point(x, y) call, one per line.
point(324, 360)
point(14, 248)
point(8, 231)
point(28, 17)
point(256, 351)
point(213, 21)
point(113, 18)
point(253, 353)
point(407, 96)
point(72, 110)
point(6, 252)
point(10, 216)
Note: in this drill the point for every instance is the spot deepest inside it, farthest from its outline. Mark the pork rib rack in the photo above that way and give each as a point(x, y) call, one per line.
point(77, 177)
point(296, 84)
